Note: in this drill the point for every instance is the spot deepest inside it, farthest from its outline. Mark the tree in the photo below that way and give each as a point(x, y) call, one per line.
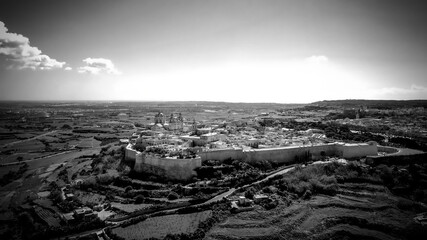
point(140, 147)
point(66, 126)
point(173, 195)
point(128, 189)
point(139, 199)
point(27, 224)
point(56, 195)
point(250, 192)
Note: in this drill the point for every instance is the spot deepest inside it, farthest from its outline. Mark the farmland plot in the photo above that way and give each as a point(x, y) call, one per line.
point(129, 208)
point(89, 197)
point(26, 146)
point(61, 157)
point(25, 135)
point(4, 141)
point(73, 168)
point(88, 143)
point(25, 156)
point(5, 169)
point(159, 227)
point(47, 216)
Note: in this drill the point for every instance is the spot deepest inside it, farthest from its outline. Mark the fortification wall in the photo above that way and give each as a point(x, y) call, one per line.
point(319, 151)
point(388, 150)
point(184, 168)
point(181, 169)
point(222, 154)
point(357, 150)
point(139, 160)
point(130, 154)
point(289, 154)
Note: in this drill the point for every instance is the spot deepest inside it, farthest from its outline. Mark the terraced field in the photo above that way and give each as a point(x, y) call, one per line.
point(359, 211)
point(47, 216)
point(129, 208)
point(159, 227)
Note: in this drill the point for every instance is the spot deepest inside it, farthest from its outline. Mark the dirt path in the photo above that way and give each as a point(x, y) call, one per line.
point(36, 159)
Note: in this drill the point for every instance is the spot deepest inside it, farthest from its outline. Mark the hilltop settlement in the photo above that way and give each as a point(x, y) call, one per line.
point(212, 170)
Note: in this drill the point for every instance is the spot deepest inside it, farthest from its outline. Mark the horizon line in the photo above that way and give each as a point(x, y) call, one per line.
point(206, 101)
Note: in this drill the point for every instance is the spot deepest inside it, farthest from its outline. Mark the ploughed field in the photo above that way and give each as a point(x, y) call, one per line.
point(357, 211)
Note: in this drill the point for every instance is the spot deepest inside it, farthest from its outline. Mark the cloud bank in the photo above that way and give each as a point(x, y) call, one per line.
point(412, 92)
point(17, 49)
point(98, 65)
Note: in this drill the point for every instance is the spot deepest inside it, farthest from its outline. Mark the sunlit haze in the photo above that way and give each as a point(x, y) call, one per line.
point(238, 51)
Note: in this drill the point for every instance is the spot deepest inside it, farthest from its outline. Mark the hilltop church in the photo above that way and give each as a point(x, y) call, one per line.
point(175, 123)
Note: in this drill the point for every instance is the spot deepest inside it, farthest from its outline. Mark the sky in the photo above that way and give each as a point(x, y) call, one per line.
point(297, 51)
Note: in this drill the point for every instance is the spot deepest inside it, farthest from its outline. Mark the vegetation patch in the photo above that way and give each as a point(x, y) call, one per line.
point(13, 175)
point(159, 227)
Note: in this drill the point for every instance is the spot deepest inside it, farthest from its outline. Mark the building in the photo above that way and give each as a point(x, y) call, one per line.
point(210, 137)
point(175, 123)
point(82, 213)
point(159, 118)
point(258, 198)
point(68, 218)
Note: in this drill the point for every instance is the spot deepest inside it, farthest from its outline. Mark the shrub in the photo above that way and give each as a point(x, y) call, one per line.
point(139, 199)
point(386, 174)
point(140, 147)
point(405, 204)
point(263, 165)
point(301, 187)
point(307, 195)
point(13, 175)
point(328, 179)
point(66, 126)
point(56, 195)
point(250, 192)
point(128, 189)
point(269, 189)
point(104, 178)
point(271, 205)
point(173, 195)
point(314, 178)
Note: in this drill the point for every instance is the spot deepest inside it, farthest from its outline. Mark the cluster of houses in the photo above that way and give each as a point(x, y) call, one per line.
point(242, 204)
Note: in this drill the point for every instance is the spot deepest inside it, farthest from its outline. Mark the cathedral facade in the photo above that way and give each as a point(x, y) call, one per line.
point(175, 122)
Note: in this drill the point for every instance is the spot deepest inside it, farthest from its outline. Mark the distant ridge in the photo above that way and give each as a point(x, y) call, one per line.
point(111, 104)
point(385, 104)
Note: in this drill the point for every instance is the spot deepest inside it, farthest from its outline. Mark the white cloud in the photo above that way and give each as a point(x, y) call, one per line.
point(317, 59)
point(18, 49)
point(413, 92)
point(68, 68)
point(98, 65)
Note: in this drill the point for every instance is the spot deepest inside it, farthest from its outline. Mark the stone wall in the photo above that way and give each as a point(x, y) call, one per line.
point(222, 154)
point(289, 154)
point(171, 168)
point(388, 150)
point(292, 153)
point(130, 154)
point(183, 169)
point(350, 151)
